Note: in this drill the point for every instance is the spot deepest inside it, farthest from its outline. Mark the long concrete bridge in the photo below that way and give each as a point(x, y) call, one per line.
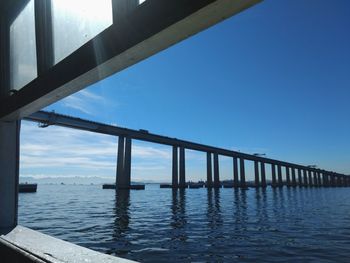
point(295, 174)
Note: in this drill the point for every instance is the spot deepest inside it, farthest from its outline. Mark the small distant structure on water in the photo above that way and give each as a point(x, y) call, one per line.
point(27, 188)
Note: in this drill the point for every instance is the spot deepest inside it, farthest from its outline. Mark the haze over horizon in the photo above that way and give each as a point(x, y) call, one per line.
point(273, 79)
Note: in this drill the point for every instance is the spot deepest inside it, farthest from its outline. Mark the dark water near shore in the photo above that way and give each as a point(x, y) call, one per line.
point(196, 225)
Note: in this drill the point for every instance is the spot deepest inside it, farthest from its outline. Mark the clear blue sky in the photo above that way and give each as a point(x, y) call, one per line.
point(273, 79)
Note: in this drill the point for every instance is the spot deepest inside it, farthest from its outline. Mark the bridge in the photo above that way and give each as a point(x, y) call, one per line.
point(294, 174)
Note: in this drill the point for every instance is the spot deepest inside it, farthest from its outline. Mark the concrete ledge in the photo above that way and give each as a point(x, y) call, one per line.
point(15, 254)
point(25, 245)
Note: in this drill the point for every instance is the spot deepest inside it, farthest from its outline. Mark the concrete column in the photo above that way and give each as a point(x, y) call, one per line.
point(324, 179)
point(306, 183)
point(235, 172)
point(216, 170)
point(273, 174)
point(9, 172)
point(332, 177)
point(182, 183)
point(175, 166)
point(335, 178)
point(242, 172)
point(127, 161)
point(279, 174)
point(319, 182)
point(263, 174)
point(288, 176)
point(315, 178)
point(256, 170)
point(120, 180)
point(300, 179)
point(294, 181)
point(329, 179)
point(209, 171)
point(311, 183)
point(338, 180)
point(342, 179)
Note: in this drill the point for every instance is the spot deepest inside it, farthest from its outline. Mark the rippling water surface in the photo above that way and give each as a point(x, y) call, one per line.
point(196, 225)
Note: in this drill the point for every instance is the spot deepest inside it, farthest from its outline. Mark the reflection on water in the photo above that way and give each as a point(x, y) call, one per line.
point(178, 217)
point(121, 221)
point(214, 212)
point(205, 225)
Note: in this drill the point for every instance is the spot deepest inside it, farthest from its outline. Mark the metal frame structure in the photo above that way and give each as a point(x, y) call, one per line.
point(138, 32)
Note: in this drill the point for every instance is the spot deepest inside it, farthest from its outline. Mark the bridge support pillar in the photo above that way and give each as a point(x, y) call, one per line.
point(310, 178)
point(127, 165)
point(343, 180)
point(306, 183)
point(216, 171)
point(339, 181)
point(324, 179)
point(279, 174)
point(335, 178)
point(9, 163)
point(175, 168)
point(315, 179)
point(209, 171)
point(273, 175)
point(123, 163)
point(332, 179)
point(242, 173)
point(294, 181)
point(300, 179)
point(256, 170)
point(182, 182)
point(288, 176)
point(235, 172)
point(319, 179)
point(263, 174)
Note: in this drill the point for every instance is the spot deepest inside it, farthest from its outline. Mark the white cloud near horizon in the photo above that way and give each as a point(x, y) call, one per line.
point(63, 152)
point(59, 151)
